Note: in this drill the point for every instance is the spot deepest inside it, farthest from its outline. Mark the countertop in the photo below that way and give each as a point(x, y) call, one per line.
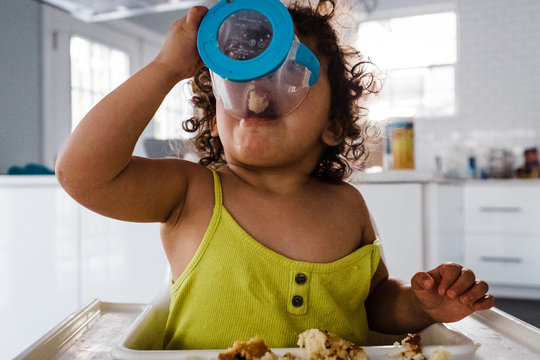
point(28, 180)
point(392, 176)
point(358, 177)
point(397, 176)
point(415, 176)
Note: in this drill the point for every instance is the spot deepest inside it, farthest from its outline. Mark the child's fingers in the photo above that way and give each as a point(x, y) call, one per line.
point(484, 303)
point(195, 16)
point(448, 274)
point(422, 281)
point(179, 52)
point(477, 291)
point(465, 280)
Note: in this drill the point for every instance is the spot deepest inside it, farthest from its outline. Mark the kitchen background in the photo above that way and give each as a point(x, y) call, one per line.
point(496, 108)
point(497, 81)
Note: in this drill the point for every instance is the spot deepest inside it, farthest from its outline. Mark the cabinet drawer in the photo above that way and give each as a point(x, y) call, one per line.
point(496, 209)
point(504, 259)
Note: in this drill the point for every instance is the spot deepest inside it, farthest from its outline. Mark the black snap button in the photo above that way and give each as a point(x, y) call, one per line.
point(300, 278)
point(297, 300)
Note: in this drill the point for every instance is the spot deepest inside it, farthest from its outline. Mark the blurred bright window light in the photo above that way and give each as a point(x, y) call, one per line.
point(417, 54)
point(96, 69)
point(173, 111)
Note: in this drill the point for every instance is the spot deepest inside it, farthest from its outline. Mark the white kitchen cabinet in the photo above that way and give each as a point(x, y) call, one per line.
point(55, 255)
point(397, 211)
point(38, 262)
point(502, 236)
point(443, 221)
point(505, 259)
point(120, 261)
point(502, 208)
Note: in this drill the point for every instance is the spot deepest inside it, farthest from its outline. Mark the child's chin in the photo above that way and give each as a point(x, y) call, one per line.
point(257, 151)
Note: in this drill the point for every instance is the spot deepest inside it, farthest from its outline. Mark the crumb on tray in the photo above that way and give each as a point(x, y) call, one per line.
point(411, 349)
point(440, 354)
point(255, 348)
point(322, 345)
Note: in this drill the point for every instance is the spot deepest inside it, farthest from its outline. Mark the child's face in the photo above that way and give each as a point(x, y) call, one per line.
point(299, 137)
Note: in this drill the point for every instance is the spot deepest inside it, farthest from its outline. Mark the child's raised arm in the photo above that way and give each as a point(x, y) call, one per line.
point(96, 166)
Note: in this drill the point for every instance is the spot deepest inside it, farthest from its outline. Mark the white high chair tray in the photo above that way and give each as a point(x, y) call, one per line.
point(103, 331)
point(88, 333)
point(143, 340)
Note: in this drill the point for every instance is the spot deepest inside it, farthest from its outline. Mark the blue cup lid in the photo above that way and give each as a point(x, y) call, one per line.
point(255, 55)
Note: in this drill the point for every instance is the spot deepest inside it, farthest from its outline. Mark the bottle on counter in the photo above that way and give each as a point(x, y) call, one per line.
point(402, 139)
point(473, 172)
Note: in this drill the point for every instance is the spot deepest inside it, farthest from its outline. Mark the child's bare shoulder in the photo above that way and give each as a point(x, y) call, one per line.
point(350, 195)
point(185, 171)
point(194, 188)
point(354, 210)
point(193, 176)
point(343, 198)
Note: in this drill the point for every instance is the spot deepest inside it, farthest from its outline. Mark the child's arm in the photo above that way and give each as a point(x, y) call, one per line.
point(447, 293)
point(96, 165)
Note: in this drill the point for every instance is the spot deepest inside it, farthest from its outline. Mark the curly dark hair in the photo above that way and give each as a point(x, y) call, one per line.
point(352, 79)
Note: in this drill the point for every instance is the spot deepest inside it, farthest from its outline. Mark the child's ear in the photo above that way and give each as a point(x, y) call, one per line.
point(333, 134)
point(213, 127)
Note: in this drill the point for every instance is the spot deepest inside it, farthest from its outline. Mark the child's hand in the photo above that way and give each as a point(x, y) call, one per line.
point(450, 292)
point(179, 53)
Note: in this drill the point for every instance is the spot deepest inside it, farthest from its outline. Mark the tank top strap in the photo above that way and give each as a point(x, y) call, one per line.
point(218, 194)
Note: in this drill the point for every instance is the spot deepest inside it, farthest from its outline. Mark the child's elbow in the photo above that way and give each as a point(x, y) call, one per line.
point(63, 175)
point(68, 175)
point(60, 175)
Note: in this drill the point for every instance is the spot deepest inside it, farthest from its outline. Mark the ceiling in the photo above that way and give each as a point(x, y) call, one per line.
point(101, 10)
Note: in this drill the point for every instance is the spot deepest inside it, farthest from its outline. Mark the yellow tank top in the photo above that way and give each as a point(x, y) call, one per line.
point(235, 288)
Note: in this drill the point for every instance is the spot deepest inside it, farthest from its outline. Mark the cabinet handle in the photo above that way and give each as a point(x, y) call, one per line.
point(501, 259)
point(503, 209)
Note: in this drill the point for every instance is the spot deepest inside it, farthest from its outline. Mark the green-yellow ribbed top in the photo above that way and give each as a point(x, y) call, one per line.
point(235, 288)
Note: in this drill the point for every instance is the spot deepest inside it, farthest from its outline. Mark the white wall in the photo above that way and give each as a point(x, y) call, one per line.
point(497, 84)
point(20, 83)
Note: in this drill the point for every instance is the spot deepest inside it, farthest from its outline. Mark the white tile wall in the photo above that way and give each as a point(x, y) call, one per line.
point(497, 83)
point(498, 77)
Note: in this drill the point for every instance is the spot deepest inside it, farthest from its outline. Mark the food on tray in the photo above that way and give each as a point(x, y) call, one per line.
point(440, 354)
point(255, 348)
point(412, 350)
point(413, 347)
point(257, 102)
point(322, 345)
point(319, 345)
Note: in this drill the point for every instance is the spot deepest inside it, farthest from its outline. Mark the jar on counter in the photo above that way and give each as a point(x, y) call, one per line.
point(402, 144)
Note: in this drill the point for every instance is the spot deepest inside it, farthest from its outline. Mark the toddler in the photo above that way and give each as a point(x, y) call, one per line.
point(263, 236)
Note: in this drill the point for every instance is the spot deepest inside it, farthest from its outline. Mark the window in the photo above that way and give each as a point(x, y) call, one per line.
point(82, 62)
point(173, 111)
point(96, 69)
point(418, 56)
